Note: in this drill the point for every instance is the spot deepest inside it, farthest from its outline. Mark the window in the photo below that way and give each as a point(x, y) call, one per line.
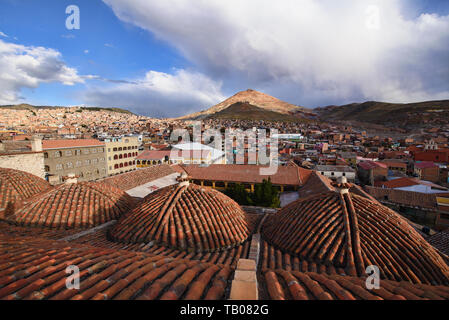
point(46, 155)
point(77, 152)
point(58, 154)
point(47, 169)
point(94, 150)
point(59, 166)
point(94, 161)
point(68, 153)
point(101, 159)
point(344, 174)
point(69, 165)
point(78, 164)
point(109, 149)
point(87, 162)
point(115, 157)
point(86, 151)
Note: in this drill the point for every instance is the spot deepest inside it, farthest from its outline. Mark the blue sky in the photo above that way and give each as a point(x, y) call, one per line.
point(167, 58)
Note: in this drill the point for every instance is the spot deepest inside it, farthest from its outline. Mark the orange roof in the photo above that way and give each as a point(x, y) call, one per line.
point(70, 143)
point(187, 218)
point(337, 228)
point(285, 175)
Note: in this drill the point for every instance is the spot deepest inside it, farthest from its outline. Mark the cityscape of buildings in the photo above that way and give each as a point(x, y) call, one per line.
point(234, 157)
point(144, 195)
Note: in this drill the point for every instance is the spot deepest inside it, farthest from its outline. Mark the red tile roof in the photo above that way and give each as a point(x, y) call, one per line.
point(70, 143)
point(18, 186)
point(352, 232)
point(34, 269)
point(294, 285)
point(154, 155)
point(440, 241)
point(130, 180)
point(285, 175)
point(368, 165)
point(73, 206)
point(186, 218)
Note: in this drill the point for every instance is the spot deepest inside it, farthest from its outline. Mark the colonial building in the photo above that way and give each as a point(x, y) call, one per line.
point(335, 172)
point(121, 154)
point(23, 155)
point(85, 158)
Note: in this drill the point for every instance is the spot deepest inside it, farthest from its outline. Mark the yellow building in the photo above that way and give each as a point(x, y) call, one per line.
point(121, 154)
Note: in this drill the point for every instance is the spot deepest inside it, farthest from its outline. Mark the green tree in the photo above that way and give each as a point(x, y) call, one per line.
point(266, 195)
point(239, 194)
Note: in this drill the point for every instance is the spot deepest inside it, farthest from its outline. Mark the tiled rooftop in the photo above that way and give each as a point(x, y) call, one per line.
point(352, 232)
point(295, 285)
point(18, 186)
point(186, 217)
point(35, 269)
point(74, 206)
point(225, 257)
point(70, 143)
point(287, 175)
point(130, 180)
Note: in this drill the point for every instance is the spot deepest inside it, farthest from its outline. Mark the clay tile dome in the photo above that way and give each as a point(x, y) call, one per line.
point(185, 217)
point(353, 232)
point(18, 186)
point(75, 206)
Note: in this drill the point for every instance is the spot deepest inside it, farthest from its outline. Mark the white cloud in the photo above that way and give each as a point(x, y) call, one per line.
point(3, 35)
point(311, 51)
point(28, 67)
point(86, 51)
point(158, 94)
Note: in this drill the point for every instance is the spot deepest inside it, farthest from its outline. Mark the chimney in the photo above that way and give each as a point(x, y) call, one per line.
point(36, 144)
point(71, 179)
point(183, 180)
point(342, 185)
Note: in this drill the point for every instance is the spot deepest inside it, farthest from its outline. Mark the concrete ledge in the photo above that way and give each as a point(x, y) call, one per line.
point(87, 232)
point(244, 286)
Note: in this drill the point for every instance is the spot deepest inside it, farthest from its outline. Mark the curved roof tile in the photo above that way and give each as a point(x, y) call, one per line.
point(187, 218)
point(18, 186)
point(284, 285)
point(352, 232)
point(35, 269)
point(75, 206)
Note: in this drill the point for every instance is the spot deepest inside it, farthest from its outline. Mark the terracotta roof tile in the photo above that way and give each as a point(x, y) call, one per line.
point(351, 232)
point(16, 187)
point(70, 143)
point(285, 175)
point(33, 268)
point(187, 218)
point(295, 285)
point(74, 206)
point(130, 180)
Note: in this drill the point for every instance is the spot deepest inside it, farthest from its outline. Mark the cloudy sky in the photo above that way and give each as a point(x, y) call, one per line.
point(172, 57)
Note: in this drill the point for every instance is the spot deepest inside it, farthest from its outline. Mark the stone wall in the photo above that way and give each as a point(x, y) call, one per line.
point(28, 162)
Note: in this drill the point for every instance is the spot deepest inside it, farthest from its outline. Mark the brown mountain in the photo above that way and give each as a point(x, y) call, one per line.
point(251, 104)
point(407, 116)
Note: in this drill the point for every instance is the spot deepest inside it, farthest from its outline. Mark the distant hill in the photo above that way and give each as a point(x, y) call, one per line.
point(25, 106)
point(410, 115)
point(251, 104)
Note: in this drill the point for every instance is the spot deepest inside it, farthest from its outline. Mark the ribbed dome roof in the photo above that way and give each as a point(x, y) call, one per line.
point(17, 186)
point(352, 232)
point(73, 206)
point(186, 217)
